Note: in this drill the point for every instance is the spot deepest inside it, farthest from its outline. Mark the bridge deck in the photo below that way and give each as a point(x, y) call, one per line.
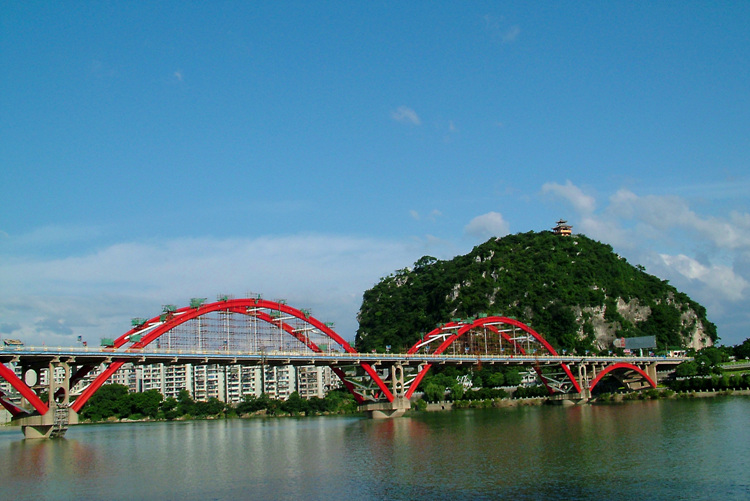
point(86, 356)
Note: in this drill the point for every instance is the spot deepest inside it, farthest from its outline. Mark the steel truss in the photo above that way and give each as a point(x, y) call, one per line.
point(493, 335)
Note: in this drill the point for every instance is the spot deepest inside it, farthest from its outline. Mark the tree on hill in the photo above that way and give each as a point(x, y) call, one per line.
point(574, 291)
point(742, 350)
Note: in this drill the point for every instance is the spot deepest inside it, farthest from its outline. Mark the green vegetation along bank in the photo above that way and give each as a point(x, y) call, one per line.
point(113, 401)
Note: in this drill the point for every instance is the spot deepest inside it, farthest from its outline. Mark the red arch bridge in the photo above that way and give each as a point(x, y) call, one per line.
point(254, 331)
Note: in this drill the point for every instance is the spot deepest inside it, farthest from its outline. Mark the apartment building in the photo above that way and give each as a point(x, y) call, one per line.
point(227, 383)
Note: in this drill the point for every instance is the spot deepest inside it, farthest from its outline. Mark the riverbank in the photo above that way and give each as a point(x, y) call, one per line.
point(482, 404)
point(666, 393)
point(605, 398)
point(262, 414)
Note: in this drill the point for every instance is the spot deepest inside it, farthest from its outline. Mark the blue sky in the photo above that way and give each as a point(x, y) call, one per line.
point(157, 151)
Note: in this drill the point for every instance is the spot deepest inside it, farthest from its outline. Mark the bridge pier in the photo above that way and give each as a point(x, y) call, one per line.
point(567, 399)
point(55, 422)
point(386, 410)
point(400, 404)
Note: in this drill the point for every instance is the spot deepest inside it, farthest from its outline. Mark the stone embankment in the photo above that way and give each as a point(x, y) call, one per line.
point(616, 397)
point(662, 393)
point(504, 402)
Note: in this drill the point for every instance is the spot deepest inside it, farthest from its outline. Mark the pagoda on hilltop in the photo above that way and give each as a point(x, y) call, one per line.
point(563, 229)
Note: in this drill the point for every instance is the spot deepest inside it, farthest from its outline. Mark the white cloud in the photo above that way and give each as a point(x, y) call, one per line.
point(47, 237)
point(705, 256)
point(488, 225)
point(497, 29)
point(740, 220)
point(431, 217)
point(581, 202)
point(605, 230)
point(95, 295)
point(404, 114)
point(511, 34)
point(720, 279)
point(623, 202)
point(669, 212)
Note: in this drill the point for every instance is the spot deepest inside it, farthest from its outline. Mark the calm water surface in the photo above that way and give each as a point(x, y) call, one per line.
point(683, 449)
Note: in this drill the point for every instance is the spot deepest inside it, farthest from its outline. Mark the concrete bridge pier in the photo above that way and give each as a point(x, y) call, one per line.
point(567, 399)
point(386, 410)
point(400, 404)
point(55, 422)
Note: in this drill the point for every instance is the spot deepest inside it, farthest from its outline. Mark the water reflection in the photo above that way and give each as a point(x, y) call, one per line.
point(659, 449)
point(35, 459)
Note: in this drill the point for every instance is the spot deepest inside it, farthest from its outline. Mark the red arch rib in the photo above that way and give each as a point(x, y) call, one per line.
point(433, 333)
point(480, 322)
point(11, 407)
point(538, 337)
point(463, 329)
point(24, 390)
point(182, 315)
point(618, 366)
point(243, 306)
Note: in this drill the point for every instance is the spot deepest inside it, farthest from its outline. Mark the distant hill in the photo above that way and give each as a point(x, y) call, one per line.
point(574, 291)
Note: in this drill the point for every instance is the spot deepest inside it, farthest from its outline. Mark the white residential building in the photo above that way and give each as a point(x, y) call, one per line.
point(227, 383)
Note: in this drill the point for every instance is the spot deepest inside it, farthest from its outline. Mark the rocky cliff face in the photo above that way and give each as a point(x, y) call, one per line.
point(575, 291)
point(695, 335)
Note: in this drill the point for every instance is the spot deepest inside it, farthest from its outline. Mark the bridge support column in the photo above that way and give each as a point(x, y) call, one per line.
point(400, 404)
point(397, 379)
point(583, 379)
point(577, 398)
point(54, 423)
point(651, 372)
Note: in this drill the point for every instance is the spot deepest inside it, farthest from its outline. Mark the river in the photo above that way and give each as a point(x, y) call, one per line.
point(663, 449)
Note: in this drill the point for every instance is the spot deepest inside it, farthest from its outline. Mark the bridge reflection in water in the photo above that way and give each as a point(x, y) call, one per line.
point(254, 331)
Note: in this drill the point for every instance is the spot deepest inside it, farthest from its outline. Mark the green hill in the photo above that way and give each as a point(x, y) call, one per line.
point(574, 291)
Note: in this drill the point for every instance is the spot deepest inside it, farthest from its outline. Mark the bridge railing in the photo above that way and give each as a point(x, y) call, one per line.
point(146, 351)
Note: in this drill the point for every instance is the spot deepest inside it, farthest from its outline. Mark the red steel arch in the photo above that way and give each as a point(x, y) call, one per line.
point(157, 326)
point(491, 322)
point(621, 366)
point(24, 390)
